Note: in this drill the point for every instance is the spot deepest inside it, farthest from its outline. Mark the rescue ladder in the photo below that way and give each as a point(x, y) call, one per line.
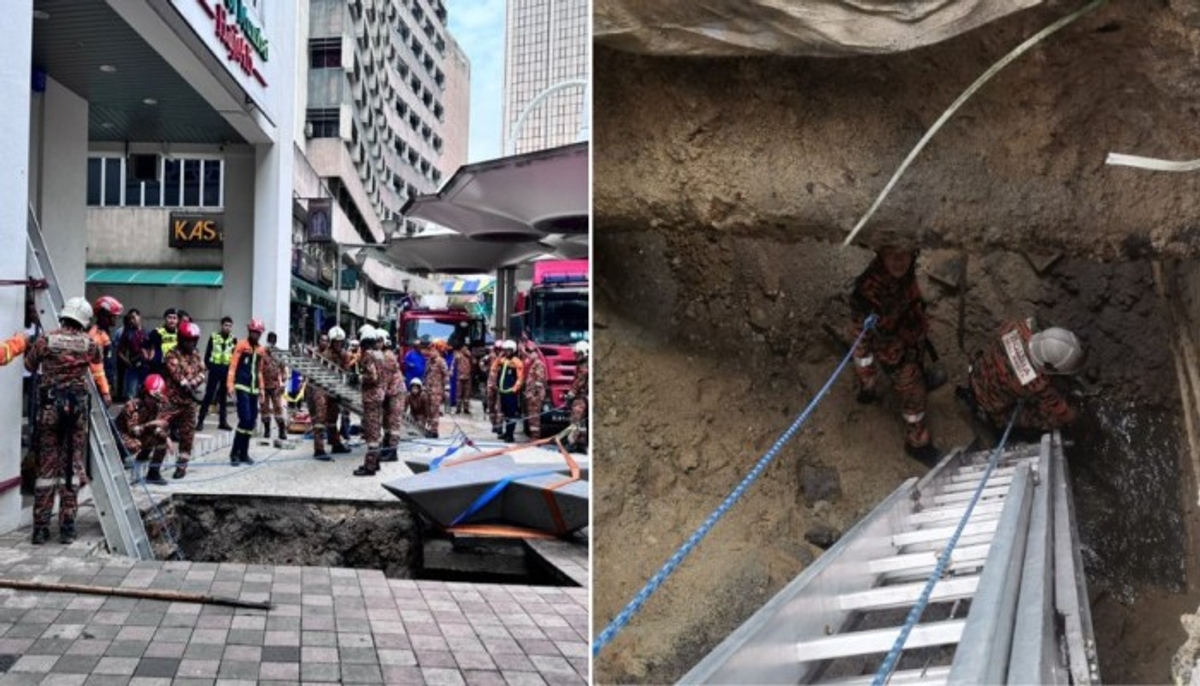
point(1012, 606)
point(120, 518)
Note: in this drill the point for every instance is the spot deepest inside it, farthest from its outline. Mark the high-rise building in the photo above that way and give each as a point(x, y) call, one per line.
point(546, 44)
point(376, 105)
point(456, 129)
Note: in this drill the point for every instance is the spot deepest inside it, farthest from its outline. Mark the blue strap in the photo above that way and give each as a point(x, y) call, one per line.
point(437, 461)
point(483, 500)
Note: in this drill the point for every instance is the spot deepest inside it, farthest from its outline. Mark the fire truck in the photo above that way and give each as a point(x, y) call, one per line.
point(451, 324)
point(554, 313)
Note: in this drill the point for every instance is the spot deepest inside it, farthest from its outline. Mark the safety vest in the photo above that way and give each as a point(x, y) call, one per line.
point(509, 376)
point(222, 349)
point(170, 339)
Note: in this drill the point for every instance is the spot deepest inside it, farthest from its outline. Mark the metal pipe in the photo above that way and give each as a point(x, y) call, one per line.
point(150, 594)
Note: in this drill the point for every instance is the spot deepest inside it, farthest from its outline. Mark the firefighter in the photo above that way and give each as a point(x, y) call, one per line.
point(492, 402)
point(335, 353)
point(535, 390)
point(66, 356)
point(373, 384)
point(106, 309)
point(393, 400)
point(417, 402)
point(437, 375)
point(317, 402)
point(1020, 364)
point(510, 378)
point(274, 379)
point(888, 288)
point(142, 422)
point(464, 367)
point(577, 398)
point(245, 379)
point(414, 360)
point(217, 356)
point(185, 376)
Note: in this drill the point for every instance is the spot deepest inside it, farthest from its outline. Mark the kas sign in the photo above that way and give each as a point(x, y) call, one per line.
point(193, 230)
point(240, 33)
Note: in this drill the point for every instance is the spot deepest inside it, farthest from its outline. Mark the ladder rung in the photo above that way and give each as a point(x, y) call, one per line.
point(958, 486)
point(902, 595)
point(973, 475)
point(933, 676)
point(955, 512)
point(938, 545)
point(879, 641)
point(926, 561)
point(965, 496)
point(942, 533)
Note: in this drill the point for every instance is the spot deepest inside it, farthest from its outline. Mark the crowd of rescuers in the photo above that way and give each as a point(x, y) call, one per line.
point(1020, 363)
point(168, 385)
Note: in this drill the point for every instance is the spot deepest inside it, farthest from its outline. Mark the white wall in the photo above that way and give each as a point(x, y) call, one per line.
point(62, 196)
point(16, 49)
point(139, 237)
point(238, 255)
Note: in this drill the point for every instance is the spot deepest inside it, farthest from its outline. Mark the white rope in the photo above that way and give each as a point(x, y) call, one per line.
point(987, 75)
point(1120, 160)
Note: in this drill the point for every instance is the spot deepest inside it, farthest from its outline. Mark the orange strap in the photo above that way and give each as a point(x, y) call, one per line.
point(499, 531)
point(560, 524)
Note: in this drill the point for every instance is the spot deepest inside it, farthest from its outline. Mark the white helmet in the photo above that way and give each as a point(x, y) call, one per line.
point(78, 310)
point(337, 333)
point(583, 348)
point(1056, 351)
point(510, 344)
point(366, 333)
point(416, 382)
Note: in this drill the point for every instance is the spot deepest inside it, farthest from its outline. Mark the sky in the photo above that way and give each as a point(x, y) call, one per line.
point(478, 26)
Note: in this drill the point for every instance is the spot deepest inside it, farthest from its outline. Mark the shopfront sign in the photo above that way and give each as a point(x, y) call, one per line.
point(240, 33)
point(196, 230)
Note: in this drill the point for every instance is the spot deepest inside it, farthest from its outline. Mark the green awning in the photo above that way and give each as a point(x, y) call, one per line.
point(313, 291)
point(156, 277)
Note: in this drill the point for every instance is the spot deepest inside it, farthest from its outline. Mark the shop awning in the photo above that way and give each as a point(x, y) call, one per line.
point(466, 286)
point(314, 292)
point(156, 277)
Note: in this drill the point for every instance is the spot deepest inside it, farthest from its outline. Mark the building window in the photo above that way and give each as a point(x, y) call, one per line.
point(191, 182)
point(326, 123)
point(325, 53)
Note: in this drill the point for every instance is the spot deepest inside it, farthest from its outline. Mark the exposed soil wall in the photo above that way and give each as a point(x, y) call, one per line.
point(792, 147)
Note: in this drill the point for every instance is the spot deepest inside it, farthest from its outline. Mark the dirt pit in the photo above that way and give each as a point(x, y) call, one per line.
point(287, 531)
point(708, 345)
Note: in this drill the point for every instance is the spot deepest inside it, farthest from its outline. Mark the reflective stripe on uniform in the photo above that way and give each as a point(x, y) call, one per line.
point(48, 483)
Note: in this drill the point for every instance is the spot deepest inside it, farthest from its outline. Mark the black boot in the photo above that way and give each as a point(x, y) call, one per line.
point(180, 472)
point(66, 532)
point(154, 476)
point(41, 534)
point(266, 429)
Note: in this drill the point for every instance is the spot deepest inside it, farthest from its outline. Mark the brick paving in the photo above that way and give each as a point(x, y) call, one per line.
point(327, 625)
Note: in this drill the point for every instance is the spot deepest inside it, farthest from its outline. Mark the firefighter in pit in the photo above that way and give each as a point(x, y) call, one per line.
point(186, 376)
point(577, 399)
point(895, 346)
point(1021, 364)
point(66, 356)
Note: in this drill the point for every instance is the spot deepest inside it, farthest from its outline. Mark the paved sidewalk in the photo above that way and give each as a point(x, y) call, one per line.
point(328, 625)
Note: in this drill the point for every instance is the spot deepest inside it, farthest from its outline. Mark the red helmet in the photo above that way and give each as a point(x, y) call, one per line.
point(154, 385)
point(109, 304)
point(190, 331)
point(256, 324)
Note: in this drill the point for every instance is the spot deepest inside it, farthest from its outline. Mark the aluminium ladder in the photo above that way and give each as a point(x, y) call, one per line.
point(120, 518)
point(1011, 606)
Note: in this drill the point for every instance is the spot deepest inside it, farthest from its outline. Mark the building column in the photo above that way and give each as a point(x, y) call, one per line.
point(506, 296)
point(16, 50)
point(237, 255)
point(62, 188)
point(273, 185)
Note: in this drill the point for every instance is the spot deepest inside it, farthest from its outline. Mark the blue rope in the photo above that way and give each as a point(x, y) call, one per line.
point(490, 495)
point(437, 461)
point(914, 615)
point(618, 623)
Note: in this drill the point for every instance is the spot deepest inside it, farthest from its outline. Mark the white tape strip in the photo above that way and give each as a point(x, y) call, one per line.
point(1151, 163)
